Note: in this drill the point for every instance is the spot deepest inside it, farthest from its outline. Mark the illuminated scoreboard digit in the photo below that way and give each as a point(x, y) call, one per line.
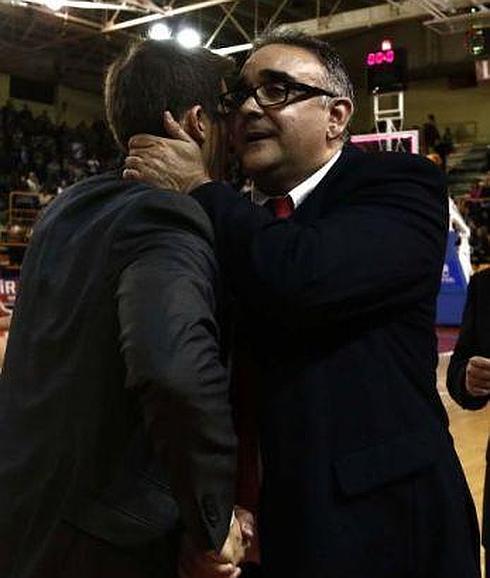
point(387, 69)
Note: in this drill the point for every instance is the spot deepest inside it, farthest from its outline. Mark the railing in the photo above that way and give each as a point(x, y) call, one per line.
point(465, 199)
point(23, 210)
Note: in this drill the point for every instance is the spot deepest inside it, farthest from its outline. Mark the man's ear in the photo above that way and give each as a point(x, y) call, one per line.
point(194, 122)
point(341, 109)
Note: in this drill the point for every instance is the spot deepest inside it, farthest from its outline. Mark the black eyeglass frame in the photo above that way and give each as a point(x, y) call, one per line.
point(238, 96)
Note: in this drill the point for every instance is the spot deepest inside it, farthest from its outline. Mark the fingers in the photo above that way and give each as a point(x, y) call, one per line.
point(145, 168)
point(131, 174)
point(149, 141)
point(135, 159)
point(479, 381)
point(197, 563)
point(203, 566)
point(478, 376)
point(173, 128)
point(246, 521)
point(476, 392)
point(478, 388)
point(479, 361)
point(175, 163)
point(5, 317)
point(479, 367)
point(143, 141)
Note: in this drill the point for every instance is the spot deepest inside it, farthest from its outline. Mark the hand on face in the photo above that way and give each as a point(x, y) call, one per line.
point(173, 163)
point(478, 376)
point(195, 563)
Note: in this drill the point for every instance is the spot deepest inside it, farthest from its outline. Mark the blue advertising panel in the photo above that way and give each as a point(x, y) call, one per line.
point(452, 295)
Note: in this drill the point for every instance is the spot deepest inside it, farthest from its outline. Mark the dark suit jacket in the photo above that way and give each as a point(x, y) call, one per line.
point(474, 339)
point(360, 476)
point(114, 410)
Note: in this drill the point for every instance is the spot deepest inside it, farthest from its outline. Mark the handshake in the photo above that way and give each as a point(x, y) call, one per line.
point(195, 563)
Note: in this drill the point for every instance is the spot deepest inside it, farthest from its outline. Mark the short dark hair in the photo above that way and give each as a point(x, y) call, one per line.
point(337, 77)
point(151, 77)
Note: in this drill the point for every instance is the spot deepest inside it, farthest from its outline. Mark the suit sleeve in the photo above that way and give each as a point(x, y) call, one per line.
point(382, 248)
point(169, 338)
point(467, 346)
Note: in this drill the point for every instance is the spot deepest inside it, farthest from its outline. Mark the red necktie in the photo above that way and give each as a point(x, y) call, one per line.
point(282, 207)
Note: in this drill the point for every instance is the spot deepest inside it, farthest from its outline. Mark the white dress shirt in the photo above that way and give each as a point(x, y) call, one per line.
point(299, 193)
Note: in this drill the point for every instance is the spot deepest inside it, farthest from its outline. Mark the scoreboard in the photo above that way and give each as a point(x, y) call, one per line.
point(386, 69)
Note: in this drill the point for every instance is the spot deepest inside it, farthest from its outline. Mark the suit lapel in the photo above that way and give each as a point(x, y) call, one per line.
point(332, 189)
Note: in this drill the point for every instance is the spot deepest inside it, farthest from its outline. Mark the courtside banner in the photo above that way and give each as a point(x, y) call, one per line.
point(452, 295)
point(9, 284)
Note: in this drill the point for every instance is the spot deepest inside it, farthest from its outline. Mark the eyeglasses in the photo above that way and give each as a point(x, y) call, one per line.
point(270, 94)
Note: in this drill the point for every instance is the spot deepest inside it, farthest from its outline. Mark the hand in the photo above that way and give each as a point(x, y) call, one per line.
point(173, 163)
point(247, 525)
point(5, 317)
point(478, 376)
point(195, 563)
point(236, 544)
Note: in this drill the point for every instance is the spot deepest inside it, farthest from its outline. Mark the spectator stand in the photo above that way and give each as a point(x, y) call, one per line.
point(23, 210)
point(476, 212)
point(38, 160)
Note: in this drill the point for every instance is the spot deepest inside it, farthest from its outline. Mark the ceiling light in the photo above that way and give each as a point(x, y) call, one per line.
point(189, 38)
point(160, 31)
point(386, 45)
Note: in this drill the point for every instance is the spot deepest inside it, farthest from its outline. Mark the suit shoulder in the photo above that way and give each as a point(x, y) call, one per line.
point(400, 167)
point(401, 160)
point(144, 204)
point(419, 163)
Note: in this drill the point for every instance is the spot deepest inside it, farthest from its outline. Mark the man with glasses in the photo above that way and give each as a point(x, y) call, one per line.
point(338, 292)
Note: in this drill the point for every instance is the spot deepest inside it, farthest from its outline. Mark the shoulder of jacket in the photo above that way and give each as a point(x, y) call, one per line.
point(147, 203)
point(384, 166)
point(399, 160)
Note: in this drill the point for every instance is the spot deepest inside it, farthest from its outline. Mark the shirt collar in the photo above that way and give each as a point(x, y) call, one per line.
point(299, 193)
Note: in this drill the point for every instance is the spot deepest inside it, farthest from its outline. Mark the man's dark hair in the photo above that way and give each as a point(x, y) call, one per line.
point(336, 78)
point(153, 76)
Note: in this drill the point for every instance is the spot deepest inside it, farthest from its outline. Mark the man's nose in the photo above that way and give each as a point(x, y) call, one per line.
point(250, 106)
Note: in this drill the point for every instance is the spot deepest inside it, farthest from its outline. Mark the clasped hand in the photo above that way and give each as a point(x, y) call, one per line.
point(478, 376)
point(195, 563)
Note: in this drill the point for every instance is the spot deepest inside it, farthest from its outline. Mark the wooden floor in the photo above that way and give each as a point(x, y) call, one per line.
point(470, 430)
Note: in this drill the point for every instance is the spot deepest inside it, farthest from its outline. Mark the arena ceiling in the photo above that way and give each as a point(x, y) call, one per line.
point(73, 44)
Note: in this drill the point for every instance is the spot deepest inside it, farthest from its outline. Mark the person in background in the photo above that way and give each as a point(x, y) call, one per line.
point(468, 377)
point(459, 226)
point(33, 182)
point(445, 147)
point(430, 133)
